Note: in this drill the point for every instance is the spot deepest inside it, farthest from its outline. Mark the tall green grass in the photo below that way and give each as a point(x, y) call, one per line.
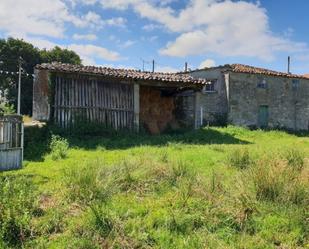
point(212, 188)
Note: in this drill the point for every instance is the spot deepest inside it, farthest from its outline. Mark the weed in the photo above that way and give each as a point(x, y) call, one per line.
point(102, 220)
point(164, 156)
point(295, 158)
point(240, 158)
point(276, 181)
point(88, 183)
point(18, 202)
point(58, 147)
point(51, 222)
point(179, 169)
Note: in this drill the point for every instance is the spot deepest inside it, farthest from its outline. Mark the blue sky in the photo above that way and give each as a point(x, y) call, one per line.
point(122, 33)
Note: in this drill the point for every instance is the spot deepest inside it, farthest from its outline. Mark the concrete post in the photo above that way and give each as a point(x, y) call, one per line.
point(197, 111)
point(136, 107)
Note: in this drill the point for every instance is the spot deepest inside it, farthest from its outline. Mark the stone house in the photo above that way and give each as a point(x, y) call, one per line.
point(67, 95)
point(254, 97)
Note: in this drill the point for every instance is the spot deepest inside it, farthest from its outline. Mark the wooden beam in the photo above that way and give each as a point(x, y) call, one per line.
point(136, 106)
point(197, 111)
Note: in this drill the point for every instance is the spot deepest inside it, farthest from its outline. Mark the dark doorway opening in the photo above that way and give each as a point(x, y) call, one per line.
point(263, 116)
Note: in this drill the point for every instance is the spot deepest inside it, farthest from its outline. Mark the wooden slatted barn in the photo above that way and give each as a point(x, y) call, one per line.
point(116, 98)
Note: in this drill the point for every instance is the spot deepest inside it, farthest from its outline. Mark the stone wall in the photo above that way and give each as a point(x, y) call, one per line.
point(185, 108)
point(288, 106)
point(214, 104)
point(41, 106)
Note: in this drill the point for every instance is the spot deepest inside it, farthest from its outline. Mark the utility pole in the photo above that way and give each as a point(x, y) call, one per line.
point(153, 65)
point(186, 66)
point(19, 85)
point(289, 62)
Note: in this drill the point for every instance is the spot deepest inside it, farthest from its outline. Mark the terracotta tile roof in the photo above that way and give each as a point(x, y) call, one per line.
point(240, 68)
point(306, 75)
point(122, 73)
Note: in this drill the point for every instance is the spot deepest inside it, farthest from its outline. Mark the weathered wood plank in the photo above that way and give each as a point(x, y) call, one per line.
point(109, 103)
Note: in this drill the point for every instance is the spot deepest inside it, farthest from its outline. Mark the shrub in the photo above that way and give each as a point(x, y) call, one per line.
point(6, 108)
point(239, 158)
point(18, 202)
point(59, 147)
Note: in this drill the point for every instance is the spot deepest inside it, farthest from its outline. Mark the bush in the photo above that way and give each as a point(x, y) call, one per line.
point(6, 108)
point(59, 147)
point(18, 202)
point(239, 158)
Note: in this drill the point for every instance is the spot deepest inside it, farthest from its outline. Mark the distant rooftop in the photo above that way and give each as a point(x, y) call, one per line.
point(121, 73)
point(240, 68)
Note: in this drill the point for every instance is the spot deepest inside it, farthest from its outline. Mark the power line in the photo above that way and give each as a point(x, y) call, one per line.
point(16, 73)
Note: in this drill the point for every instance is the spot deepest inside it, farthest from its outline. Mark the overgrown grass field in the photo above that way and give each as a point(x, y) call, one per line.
point(211, 188)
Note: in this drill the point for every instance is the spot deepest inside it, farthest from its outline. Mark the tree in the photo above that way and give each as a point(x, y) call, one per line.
point(10, 50)
point(60, 55)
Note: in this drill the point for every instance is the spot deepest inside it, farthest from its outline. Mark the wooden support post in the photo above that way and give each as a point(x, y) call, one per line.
point(136, 106)
point(197, 111)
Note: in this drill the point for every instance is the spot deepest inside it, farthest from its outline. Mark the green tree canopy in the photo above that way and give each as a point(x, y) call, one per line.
point(10, 51)
point(60, 55)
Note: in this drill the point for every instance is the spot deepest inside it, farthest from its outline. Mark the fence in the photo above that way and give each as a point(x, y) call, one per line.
point(11, 142)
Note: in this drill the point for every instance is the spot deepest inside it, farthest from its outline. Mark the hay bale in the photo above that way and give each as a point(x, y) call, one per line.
point(156, 112)
point(153, 128)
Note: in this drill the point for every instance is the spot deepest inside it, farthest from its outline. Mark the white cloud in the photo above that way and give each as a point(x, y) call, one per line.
point(121, 44)
point(228, 29)
point(117, 21)
point(40, 42)
point(89, 53)
point(127, 44)
point(151, 27)
point(223, 27)
point(118, 4)
point(48, 17)
point(91, 19)
point(207, 63)
point(149, 39)
point(88, 37)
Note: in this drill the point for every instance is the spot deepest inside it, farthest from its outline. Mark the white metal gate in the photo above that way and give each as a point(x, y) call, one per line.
point(11, 142)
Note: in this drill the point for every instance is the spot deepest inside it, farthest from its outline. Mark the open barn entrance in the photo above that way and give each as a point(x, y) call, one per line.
point(160, 108)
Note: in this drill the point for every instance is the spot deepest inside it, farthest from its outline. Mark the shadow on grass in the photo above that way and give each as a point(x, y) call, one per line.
point(37, 140)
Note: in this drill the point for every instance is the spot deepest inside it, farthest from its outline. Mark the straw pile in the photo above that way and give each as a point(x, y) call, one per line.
point(156, 112)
